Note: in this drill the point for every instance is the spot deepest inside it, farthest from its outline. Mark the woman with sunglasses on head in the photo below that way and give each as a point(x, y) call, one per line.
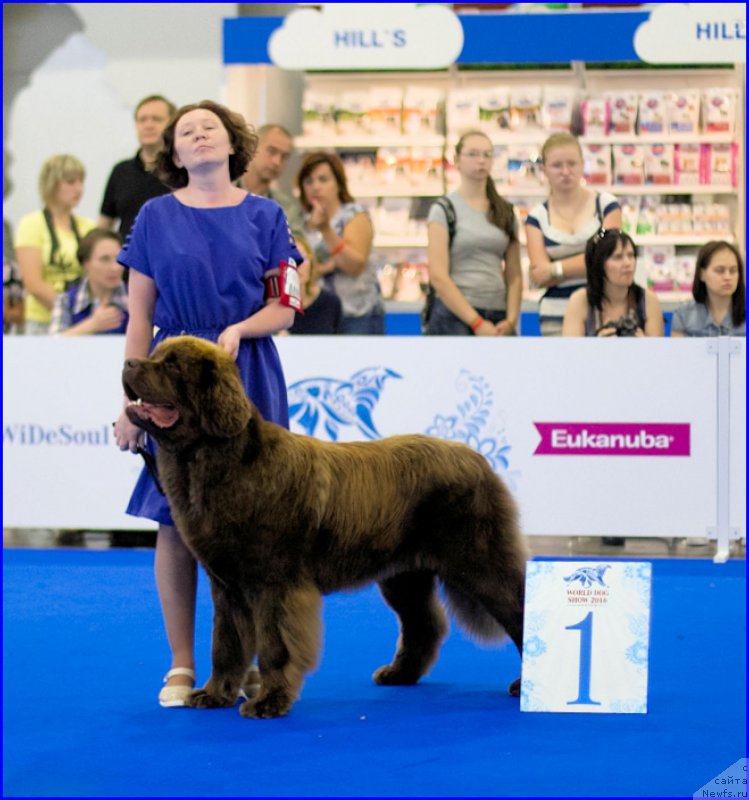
point(719, 291)
point(612, 304)
point(474, 264)
point(558, 229)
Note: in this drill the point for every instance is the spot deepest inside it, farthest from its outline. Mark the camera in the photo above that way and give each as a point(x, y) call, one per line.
point(624, 326)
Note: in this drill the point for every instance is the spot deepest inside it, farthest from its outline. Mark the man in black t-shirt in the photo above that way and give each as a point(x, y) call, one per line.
point(132, 182)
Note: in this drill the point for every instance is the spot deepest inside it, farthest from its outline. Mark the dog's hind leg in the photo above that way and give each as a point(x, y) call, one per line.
point(423, 626)
point(233, 648)
point(289, 631)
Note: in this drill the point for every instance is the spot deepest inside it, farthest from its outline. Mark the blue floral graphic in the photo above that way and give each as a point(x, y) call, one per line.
point(534, 647)
point(468, 425)
point(637, 653)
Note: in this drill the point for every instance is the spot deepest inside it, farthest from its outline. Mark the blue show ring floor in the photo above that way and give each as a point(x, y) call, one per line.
point(84, 652)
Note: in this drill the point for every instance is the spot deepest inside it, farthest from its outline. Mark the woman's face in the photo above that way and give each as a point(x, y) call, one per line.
point(721, 275)
point(619, 267)
point(201, 141)
point(104, 272)
point(563, 167)
point(321, 186)
point(69, 192)
point(475, 158)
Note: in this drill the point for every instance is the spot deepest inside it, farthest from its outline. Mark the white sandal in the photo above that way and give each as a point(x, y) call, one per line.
point(176, 696)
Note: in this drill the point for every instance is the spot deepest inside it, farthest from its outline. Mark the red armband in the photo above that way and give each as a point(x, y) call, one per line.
point(338, 248)
point(285, 287)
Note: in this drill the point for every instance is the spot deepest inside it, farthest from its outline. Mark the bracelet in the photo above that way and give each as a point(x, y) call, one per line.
point(337, 249)
point(477, 323)
point(557, 270)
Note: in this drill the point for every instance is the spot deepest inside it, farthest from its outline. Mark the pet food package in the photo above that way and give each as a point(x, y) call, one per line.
point(688, 159)
point(523, 165)
point(719, 110)
point(597, 163)
point(684, 265)
point(525, 109)
point(622, 112)
point(683, 111)
point(629, 164)
point(720, 164)
point(421, 110)
point(596, 117)
point(494, 109)
point(361, 173)
point(426, 169)
point(630, 212)
point(673, 219)
point(659, 163)
point(558, 104)
point(659, 266)
point(352, 113)
point(462, 110)
point(652, 119)
point(384, 111)
point(318, 113)
point(500, 165)
point(711, 219)
point(646, 217)
point(390, 167)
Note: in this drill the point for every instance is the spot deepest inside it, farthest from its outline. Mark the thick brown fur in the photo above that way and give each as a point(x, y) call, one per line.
point(279, 519)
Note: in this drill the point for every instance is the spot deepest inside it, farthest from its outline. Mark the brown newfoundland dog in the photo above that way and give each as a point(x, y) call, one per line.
point(279, 519)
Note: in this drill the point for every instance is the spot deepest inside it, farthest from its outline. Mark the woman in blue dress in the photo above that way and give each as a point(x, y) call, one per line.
point(200, 263)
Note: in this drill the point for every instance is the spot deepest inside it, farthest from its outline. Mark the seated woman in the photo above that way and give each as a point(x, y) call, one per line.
point(98, 303)
point(323, 313)
point(612, 304)
point(719, 291)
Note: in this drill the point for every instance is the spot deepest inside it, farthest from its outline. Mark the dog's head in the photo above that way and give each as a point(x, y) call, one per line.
point(188, 389)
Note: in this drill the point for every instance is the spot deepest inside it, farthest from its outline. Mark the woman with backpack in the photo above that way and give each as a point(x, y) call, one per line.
point(473, 250)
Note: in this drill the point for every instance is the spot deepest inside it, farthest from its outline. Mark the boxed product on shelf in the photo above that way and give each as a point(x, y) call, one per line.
point(658, 262)
point(630, 214)
point(719, 110)
point(629, 164)
point(659, 163)
point(596, 120)
point(683, 111)
point(425, 172)
point(318, 113)
point(360, 168)
point(384, 110)
point(500, 171)
point(525, 109)
point(684, 265)
point(351, 112)
point(558, 104)
point(647, 218)
point(622, 111)
point(597, 163)
point(421, 110)
point(494, 109)
point(393, 167)
point(673, 219)
point(711, 219)
point(523, 168)
point(652, 119)
point(462, 110)
point(688, 163)
point(719, 164)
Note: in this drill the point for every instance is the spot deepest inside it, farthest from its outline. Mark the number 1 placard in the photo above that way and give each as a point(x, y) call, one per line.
point(586, 632)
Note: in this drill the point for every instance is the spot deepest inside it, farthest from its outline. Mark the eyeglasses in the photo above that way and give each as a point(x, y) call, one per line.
point(487, 154)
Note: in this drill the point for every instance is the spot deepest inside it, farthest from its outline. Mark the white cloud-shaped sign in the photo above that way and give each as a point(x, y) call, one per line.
point(700, 33)
point(371, 36)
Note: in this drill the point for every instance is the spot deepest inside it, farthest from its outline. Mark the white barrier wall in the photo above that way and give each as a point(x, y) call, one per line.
point(595, 437)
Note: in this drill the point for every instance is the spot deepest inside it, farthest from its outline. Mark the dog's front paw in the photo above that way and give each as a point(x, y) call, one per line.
point(269, 706)
point(200, 698)
point(391, 676)
point(514, 688)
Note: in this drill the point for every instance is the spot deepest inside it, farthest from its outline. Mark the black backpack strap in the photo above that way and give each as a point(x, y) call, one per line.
point(446, 204)
point(52, 235)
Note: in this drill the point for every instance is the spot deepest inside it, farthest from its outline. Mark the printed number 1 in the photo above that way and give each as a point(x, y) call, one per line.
point(585, 627)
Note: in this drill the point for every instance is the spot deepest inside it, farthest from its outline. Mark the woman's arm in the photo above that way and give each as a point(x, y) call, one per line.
point(653, 315)
point(576, 314)
point(270, 319)
point(32, 275)
point(350, 252)
point(438, 254)
point(514, 285)
point(138, 338)
point(102, 318)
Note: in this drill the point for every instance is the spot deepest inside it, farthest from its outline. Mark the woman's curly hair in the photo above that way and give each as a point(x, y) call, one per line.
point(241, 135)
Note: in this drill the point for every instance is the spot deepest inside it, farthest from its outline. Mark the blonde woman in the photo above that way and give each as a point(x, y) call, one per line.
point(47, 240)
point(475, 271)
point(323, 313)
point(558, 229)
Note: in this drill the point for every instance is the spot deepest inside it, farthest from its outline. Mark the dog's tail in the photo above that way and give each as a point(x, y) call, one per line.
point(472, 616)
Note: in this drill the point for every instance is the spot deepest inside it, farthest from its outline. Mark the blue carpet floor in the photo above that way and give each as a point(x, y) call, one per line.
point(84, 653)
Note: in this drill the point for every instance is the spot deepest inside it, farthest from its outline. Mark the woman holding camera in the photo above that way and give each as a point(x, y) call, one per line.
point(612, 304)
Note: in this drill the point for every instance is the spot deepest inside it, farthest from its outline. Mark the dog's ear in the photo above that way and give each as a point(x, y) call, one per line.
point(224, 407)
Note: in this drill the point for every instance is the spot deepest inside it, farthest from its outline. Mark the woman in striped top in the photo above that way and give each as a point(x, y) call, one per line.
point(558, 229)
